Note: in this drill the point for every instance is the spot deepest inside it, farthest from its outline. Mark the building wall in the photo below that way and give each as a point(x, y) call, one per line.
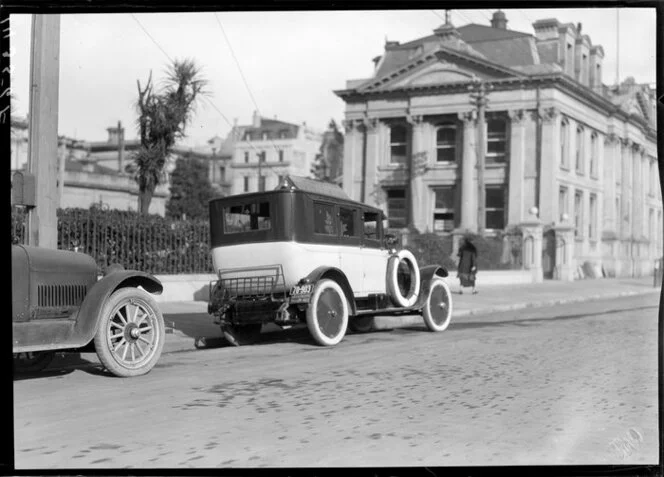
point(297, 158)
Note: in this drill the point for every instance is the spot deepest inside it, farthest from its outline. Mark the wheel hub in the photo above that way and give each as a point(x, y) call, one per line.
point(442, 305)
point(132, 333)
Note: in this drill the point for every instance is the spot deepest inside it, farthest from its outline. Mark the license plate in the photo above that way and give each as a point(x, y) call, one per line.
point(300, 293)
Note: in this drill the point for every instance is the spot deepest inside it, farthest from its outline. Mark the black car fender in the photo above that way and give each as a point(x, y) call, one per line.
point(427, 274)
point(87, 318)
point(338, 276)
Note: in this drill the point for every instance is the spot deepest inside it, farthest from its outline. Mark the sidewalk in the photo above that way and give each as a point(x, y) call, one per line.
point(189, 325)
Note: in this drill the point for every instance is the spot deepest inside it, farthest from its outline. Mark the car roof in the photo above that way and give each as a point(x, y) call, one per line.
point(314, 195)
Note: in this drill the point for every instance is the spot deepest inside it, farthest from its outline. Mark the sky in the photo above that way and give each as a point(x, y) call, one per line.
point(291, 61)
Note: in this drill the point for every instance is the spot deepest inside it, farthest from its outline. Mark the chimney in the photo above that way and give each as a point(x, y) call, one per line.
point(112, 135)
point(120, 148)
point(499, 20)
point(256, 122)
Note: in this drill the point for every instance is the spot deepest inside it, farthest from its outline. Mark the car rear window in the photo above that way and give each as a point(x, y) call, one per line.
point(247, 217)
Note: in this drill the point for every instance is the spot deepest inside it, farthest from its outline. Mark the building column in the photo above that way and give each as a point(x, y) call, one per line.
point(609, 219)
point(532, 247)
point(548, 199)
point(352, 162)
point(371, 126)
point(565, 261)
point(517, 149)
point(418, 155)
point(468, 207)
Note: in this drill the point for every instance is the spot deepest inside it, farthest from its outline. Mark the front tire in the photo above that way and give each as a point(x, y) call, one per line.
point(327, 314)
point(437, 311)
point(130, 334)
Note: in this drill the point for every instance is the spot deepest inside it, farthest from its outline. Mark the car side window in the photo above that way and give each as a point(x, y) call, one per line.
point(247, 217)
point(324, 219)
point(370, 221)
point(347, 222)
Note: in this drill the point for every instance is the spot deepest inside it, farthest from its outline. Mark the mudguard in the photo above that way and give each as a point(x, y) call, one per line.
point(338, 276)
point(79, 329)
point(426, 275)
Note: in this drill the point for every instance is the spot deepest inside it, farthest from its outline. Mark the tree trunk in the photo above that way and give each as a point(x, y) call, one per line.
point(144, 199)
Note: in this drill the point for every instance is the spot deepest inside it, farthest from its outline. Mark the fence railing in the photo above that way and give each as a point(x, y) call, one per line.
point(151, 244)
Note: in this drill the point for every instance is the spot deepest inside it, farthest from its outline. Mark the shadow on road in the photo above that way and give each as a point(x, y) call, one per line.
point(63, 364)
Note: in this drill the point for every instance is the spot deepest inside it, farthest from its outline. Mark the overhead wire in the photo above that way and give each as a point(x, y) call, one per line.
point(214, 106)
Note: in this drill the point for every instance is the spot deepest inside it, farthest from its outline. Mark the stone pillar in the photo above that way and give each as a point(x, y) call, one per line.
point(611, 149)
point(550, 164)
point(532, 246)
point(418, 154)
point(625, 186)
point(468, 207)
point(352, 166)
point(515, 202)
point(373, 147)
point(565, 261)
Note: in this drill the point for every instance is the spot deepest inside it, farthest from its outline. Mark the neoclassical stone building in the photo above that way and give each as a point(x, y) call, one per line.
point(556, 138)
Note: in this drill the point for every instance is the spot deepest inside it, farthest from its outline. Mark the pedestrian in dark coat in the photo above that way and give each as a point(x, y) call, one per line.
point(467, 265)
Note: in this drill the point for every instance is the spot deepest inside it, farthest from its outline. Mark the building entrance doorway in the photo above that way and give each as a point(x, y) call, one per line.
point(549, 254)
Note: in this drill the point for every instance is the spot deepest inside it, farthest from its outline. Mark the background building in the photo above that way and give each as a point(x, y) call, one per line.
point(556, 138)
point(268, 150)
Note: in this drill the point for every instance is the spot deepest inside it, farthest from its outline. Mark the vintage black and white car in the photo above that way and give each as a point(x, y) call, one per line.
point(59, 303)
point(307, 253)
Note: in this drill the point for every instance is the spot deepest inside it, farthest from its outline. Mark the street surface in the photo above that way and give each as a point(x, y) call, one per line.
point(568, 385)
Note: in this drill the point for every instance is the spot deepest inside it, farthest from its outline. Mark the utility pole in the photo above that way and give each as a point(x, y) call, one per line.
point(121, 148)
point(480, 101)
point(260, 171)
point(43, 129)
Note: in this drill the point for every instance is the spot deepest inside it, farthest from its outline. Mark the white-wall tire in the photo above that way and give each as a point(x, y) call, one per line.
point(437, 311)
point(392, 279)
point(327, 314)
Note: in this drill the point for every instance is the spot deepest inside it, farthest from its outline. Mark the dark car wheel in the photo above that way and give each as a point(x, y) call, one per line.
point(361, 324)
point(130, 334)
point(241, 335)
point(32, 362)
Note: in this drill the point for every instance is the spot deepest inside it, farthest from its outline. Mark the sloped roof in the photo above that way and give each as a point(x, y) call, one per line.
point(473, 33)
point(273, 127)
point(315, 187)
point(514, 51)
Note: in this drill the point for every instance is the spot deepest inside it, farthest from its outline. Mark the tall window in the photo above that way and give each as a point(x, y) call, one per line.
point(443, 212)
point(578, 213)
point(564, 143)
point(563, 207)
point(281, 155)
point(592, 225)
point(246, 183)
point(261, 183)
point(261, 156)
point(397, 211)
point(496, 145)
point(246, 156)
point(593, 155)
point(495, 207)
point(618, 216)
point(222, 174)
point(579, 150)
point(398, 144)
point(446, 143)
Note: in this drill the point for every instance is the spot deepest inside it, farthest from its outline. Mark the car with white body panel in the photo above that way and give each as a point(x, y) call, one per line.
point(310, 254)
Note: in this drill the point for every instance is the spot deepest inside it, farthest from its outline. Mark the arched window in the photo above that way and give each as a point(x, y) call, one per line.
point(579, 150)
point(446, 143)
point(496, 146)
point(564, 143)
point(593, 155)
point(398, 144)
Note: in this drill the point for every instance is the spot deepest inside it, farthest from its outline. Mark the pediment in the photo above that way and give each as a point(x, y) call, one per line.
point(435, 68)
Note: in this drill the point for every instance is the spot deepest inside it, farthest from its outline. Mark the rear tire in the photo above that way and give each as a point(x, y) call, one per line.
point(242, 335)
point(437, 311)
point(327, 314)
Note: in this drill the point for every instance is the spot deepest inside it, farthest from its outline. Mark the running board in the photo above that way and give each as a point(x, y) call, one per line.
point(390, 311)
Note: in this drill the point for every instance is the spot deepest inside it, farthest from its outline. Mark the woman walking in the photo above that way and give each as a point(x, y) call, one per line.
point(467, 265)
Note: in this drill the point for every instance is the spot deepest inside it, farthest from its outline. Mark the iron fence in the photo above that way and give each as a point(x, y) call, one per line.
point(151, 244)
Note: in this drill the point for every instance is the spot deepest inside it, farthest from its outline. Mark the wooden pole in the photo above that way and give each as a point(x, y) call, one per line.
point(43, 129)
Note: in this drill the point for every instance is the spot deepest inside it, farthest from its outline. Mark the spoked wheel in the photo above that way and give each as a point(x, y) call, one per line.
point(361, 324)
point(131, 333)
point(240, 335)
point(32, 362)
point(437, 310)
point(327, 315)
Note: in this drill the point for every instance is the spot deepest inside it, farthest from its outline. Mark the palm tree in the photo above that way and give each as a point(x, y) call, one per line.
point(162, 119)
